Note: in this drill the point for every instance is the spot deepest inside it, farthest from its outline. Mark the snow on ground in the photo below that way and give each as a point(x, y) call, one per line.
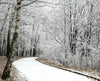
point(86, 73)
point(33, 70)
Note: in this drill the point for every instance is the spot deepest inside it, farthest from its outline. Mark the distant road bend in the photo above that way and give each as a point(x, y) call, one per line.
point(45, 61)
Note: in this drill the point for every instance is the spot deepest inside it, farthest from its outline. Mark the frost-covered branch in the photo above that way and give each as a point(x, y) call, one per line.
point(28, 3)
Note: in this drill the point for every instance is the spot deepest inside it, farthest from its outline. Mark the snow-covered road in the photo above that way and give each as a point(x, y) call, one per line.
point(33, 70)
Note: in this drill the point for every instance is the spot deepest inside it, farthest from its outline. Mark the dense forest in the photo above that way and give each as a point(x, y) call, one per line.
point(64, 31)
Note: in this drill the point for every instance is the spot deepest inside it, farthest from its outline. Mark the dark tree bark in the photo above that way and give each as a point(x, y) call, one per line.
point(34, 52)
point(9, 32)
point(6, 72)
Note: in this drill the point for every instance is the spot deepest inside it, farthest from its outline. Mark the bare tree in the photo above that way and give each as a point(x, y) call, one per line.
point(9, 33)
point(6, 72)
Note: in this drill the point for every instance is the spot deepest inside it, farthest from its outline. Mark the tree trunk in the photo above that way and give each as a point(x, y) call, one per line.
point(34, 52)
point(6, 72)
point(9, 32)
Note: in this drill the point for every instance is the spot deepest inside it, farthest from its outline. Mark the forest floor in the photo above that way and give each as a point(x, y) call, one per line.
point(3, 61)
point(94, 73)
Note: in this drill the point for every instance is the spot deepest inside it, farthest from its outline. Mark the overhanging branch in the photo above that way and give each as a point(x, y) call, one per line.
point(27, 4)
point(38, 1)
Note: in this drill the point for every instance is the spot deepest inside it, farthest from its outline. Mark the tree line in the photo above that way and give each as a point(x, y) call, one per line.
point(64, 31)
